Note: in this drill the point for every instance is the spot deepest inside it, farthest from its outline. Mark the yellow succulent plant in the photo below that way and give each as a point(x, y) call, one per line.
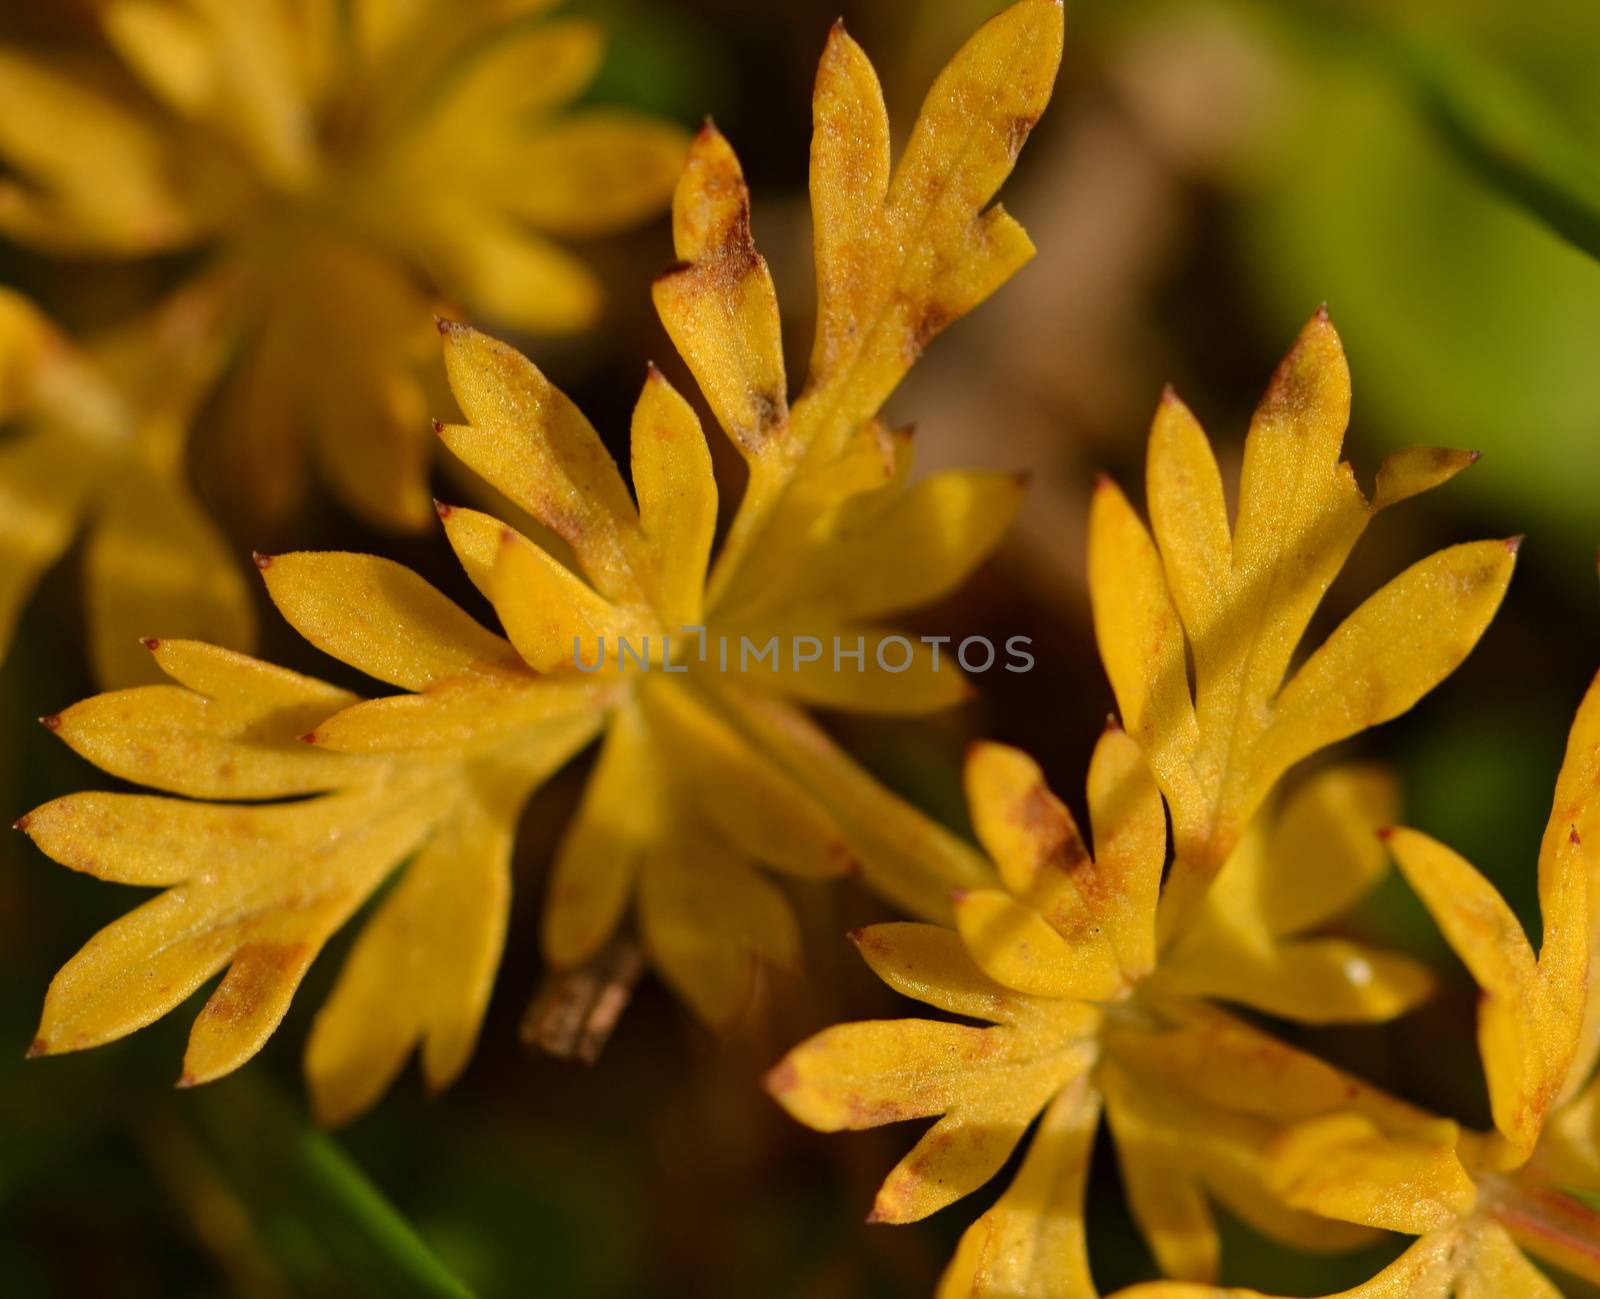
point(1476, 1201)
point(342, 174)
point(706, 770)
point(1096, 973)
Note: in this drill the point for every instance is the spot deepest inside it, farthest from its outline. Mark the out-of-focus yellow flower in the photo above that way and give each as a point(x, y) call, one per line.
point(343, 167)
point(1091, 969)
point(706, 770)
point(97, 448)
point(1476, 1202)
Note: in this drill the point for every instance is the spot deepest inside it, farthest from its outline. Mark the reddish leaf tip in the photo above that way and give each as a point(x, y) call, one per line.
point(36, 1048)
point(652, 372)
point(1474, 456)
point(151, 643)
point(1572, 837)
point(22, 822)
point(1113, 723)
point(441, 509)
point(186, 1081)
point(857, 935)
point(438, 426)
point(310, 737)
point(1386, 832)
point(877, 1215)
point(446, 327)
point(1103, 482)
point(263, 562)
point(1321, 315)
point(781, 1078)
point(1514, 544)
point(52, 722)
point(958, 896)
point(1169, 395)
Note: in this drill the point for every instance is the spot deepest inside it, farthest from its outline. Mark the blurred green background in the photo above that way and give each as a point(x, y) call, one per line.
point(1207, 174)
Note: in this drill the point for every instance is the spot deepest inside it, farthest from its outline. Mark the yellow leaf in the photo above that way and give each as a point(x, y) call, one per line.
point(422, 969)
point(1425, 1271)
point(1071, 926)
point(155, 563)
point(1530, 1015)
point(903, 854)
point(1032, 1245)
point(720, 308)
point(708, 918)
point(532, 443)
point(1343, 1167)
point(264, 919)
point(677, 497)
point(988, 1083)
point(932, 964)
point(1298, 866)
point(752, 802)
point(594, 171)
point(551, 615)
point(598, 860)
point(380, 618)
point(1236, 604)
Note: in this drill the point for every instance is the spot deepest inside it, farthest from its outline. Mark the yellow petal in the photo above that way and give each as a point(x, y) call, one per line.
point(904, 855)
point(720, 308)
point(1033, 1240)
point(380, 618)
point(1027, 831)
point(594, 171)
point(1343, 1167)
point(423, 966)
point(551, 615)
point(677, 497)
point(707, 919)
point(1130, 847)
point(267, 919)
point(1426, 1270)
point(912, 550)
point(510, 274)
point(1496, 1269)
point(849, 183)
point(752, 801)
point(98, 172)
point(1531, 1012)
point(256, 691)
point(531, 442)
point(461, 716)
point(1574, 827)
point(1190, 521)
point(1328, 829)
point(1142, 646)
point(175, 740)
point(1167, 1201)
point(621, 815)
point(1417, 469)
point(1375, 665)
point(932, 964)
point(1014, 945)
point(42, 493)
point(157, 564)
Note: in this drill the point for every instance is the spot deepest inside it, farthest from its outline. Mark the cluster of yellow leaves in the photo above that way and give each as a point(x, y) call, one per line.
point(1096, 977)
point(1476, 1201)
point(703, 774)
point(340, 171)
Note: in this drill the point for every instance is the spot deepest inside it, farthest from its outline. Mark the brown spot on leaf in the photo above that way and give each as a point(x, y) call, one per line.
point(1017, 130)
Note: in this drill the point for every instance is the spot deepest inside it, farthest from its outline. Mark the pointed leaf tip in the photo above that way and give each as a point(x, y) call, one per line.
point(36, 1048)
point(782, 1078)
point(22, 822)
point(438, 425)
point(151, 643)
point(263, 562)
point(52, 722)
point(440, 508)
point(1514, 544)
point(185, 1081)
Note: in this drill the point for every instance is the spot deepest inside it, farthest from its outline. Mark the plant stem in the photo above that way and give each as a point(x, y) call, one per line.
point(1557, 1227)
